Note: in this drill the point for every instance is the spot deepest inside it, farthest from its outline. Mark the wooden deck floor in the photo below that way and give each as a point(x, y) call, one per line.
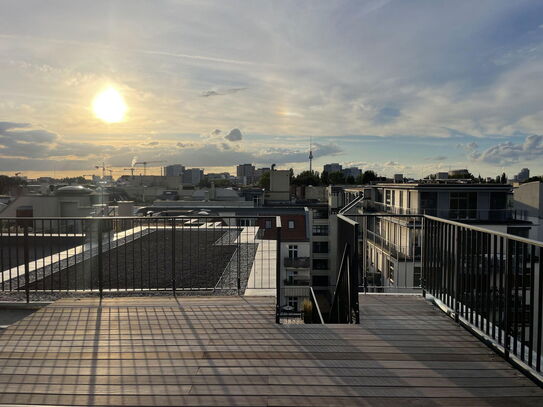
point(228, 351)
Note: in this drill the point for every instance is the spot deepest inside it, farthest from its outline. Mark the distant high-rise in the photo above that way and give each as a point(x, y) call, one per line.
point(246, 172)
point(175, 170)
point(192, 176)
point(523, 175)
point(352, 172)
point(333, 167)
point(310, 156)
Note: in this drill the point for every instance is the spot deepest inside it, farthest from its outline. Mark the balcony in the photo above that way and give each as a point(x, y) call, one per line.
point(295, 282)
point(297, 262)
point(152, 345)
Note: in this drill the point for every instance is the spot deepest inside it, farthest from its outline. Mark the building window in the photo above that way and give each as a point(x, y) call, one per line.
point(292, 251)
point(291, 224)
point(390, 271)
point(268, 224)
point(246, 222)
point(293, 302)
point(320, 264)
point(320, 247)
point(388, 197)
point(463, 205)
point(320, 230)
point(320, 281)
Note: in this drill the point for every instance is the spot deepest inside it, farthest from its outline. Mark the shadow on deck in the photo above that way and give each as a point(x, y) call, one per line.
point(229, 351)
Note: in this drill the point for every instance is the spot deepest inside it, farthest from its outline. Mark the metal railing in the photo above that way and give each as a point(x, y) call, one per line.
point(344, 306)
point(390, 248)
point(492, 281)
point(463, 214)
point(226, 255)
point(316, 316)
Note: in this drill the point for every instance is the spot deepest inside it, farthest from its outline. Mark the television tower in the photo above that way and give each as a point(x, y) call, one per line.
point(310, 157)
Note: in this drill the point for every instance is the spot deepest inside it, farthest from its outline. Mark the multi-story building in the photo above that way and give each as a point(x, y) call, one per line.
point(175, 170)
point(529, 198)
point(523, 175)
point(246, 172)
point(392, 244)
point(279, 187)
point(333, 167)
point(352, 172)
point(193, 176)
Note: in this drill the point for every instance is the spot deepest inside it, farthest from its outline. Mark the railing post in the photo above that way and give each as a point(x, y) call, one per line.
point(507, 322)
point(26, 260)
point(238, 258)
point(278, 271)
point(364, 255)
point(457, 237)
point(356, 272)
point(424, 257)
point(173, 257)
point(100, 263)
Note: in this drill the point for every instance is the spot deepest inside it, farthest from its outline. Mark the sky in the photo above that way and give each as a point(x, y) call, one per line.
point(395, 86)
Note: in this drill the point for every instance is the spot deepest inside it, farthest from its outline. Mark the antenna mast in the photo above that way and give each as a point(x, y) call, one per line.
point(310, 157)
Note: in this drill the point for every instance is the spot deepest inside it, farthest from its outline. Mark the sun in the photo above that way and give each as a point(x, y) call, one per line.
point(109, 106)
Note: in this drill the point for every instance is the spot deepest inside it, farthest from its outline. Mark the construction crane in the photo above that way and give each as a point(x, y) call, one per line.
point(131, 169)
point(104, 169)
point(144, 163)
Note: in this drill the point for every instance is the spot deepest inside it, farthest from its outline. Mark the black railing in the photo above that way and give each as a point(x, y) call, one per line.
point(316, 316)
point(345, 306)
point(491, 281)
point(226, 255)
point(390, 252)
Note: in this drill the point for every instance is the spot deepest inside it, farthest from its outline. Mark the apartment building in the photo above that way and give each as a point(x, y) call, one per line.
point(392, 244)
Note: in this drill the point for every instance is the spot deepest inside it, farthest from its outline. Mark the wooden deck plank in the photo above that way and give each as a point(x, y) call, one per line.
point(229, 351)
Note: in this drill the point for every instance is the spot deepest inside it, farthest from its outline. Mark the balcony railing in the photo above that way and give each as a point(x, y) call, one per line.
point(482, 215)
point(295, 282)
point(297, 262)
point(491, 282)
point(226, 255)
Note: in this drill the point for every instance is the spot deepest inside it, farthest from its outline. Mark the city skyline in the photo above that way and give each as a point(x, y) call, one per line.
point(384, 85)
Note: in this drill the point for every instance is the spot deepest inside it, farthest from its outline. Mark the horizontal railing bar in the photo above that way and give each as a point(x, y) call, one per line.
point(484, 230)
point(139, 217)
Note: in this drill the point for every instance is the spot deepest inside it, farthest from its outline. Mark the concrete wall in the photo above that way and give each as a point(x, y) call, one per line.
point(529, 197)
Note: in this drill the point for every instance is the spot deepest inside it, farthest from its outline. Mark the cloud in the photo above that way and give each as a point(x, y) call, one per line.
point(223, 92)
point(507, 153)
point(234, 135)
point(437, 158)
point(386, 115)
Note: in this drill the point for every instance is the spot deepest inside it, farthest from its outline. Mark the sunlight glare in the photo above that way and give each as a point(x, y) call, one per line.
point(109, 106)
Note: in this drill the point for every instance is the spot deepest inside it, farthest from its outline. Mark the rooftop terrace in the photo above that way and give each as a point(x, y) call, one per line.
point(229, 351)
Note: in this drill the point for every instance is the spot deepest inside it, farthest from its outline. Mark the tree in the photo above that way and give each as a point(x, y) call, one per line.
point(337, 178)
point(503, 178)
point(306, 178)
point(11, 185)
point(532, 179)
point(324, 178)
point(264, 181)
point(367, 177)
point(350, 180)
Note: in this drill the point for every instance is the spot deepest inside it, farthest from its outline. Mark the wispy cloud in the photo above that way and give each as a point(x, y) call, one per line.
point(209, 93)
